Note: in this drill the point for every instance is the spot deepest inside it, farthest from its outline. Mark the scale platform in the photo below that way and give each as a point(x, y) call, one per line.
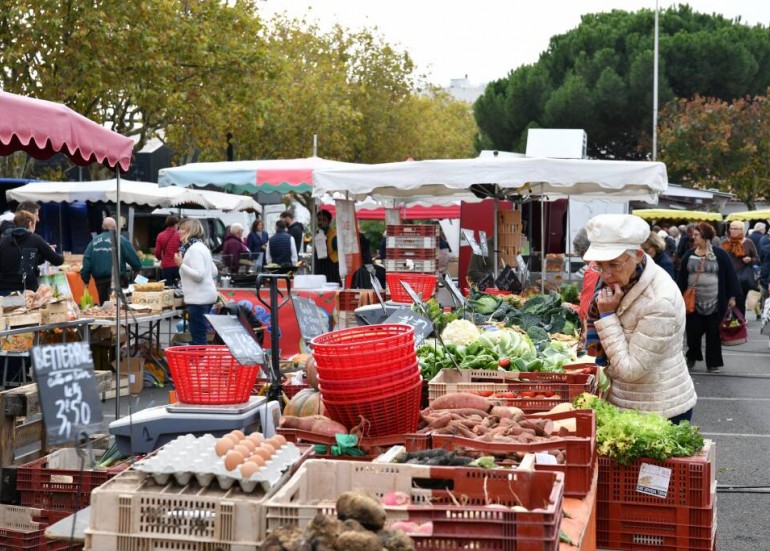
point(149, 429)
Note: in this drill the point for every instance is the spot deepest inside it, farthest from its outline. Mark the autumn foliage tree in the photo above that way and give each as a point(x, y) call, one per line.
point(710, 143)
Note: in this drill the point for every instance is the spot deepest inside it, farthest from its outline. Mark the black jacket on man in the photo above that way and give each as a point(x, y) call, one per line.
point(12, 247)
point(297, 231)
point(280, 248)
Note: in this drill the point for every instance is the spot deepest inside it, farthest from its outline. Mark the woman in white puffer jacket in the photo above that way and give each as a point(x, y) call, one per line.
point(636, 321)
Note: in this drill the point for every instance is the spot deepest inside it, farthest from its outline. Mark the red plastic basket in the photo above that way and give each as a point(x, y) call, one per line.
point(373, 391)
point(423, 284)
point(354, 381)
point(371, 362)
point(396, 413)
point(210, 375)
point(362, 341)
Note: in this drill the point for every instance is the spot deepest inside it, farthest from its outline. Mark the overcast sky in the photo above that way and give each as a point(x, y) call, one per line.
point(485, 39)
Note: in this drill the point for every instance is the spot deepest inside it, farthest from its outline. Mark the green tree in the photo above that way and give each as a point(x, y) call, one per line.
point(599, 77)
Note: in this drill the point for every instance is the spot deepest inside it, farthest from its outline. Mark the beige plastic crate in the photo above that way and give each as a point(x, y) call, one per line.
point(133, 513)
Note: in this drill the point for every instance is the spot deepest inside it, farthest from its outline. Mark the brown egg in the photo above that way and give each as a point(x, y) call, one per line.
point(275, 441)
point(248, 443)
point(223, 446)
point(248, 469)
point(238, 433)
point(256, 437)
point(233, 459)
point(263, 452)
point(232, 438)
point(245, 450)
point(268, 447)
point(258, 459)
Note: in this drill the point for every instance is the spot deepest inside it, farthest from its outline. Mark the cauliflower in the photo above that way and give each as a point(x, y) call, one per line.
point(460, 333)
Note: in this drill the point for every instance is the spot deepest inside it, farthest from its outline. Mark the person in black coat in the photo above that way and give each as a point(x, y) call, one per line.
point(23, 243)
point(295, 229)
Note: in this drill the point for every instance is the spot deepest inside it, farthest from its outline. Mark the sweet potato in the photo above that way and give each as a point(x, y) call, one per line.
point(318, 424)
point(460, 400)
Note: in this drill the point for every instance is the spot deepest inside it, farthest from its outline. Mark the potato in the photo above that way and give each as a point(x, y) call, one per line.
point(396, 540)
point(323, 530)
point(359, 541)
point(363, 508)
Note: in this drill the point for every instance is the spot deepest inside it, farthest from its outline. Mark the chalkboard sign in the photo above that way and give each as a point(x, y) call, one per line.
point(68, 394)
point(468, 234)
point(409, 291)
point(311, 319)
point(422, 327)
point(238, 339)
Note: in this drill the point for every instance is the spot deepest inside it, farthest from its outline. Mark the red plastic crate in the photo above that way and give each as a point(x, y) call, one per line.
point(389, 359)
point(23, 528)
point(456, 500)
point(421, 242)
point(348, 300)
point(357, 392)
point(210, 375)
point(361, 341)
point(60, 489)
point(647, 527)
point(414, 254)
point(412, 230)
point(384, 377)
point(416, 266)
point(579, 450)
point(692, 479)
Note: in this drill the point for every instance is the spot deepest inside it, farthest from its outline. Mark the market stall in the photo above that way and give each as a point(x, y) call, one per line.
point(676, 215)
point(752, 215)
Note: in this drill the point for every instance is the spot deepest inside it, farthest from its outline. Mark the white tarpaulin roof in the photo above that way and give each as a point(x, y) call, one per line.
point(624, 180)
point(139, 193)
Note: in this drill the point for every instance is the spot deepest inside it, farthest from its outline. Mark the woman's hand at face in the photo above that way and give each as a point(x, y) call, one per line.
point(609, 299)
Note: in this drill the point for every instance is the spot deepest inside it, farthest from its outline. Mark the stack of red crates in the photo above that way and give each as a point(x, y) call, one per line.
point(412, 248)
point(55, 487)
point(686, 518)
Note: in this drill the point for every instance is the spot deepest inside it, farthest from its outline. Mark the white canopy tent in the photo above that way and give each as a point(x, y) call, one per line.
point(624, 180)
point(524, 176)
point(131, 192)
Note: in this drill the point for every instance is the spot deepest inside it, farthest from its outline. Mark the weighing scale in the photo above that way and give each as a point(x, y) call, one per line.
point(149, 429)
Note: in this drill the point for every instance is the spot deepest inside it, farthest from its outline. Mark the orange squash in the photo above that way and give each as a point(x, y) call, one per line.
point(311, 372)
point(305, 403)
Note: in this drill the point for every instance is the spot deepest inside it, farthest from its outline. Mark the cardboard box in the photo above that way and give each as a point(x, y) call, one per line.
point(155, 299)
point(133, 368)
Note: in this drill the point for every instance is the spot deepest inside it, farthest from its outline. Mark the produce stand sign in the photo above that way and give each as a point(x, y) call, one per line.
point(238, 339)
point(653, 480)
point(422, 326)
point(68, 393)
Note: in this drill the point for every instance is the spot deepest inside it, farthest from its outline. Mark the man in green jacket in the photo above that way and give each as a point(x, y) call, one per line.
point(97, 260)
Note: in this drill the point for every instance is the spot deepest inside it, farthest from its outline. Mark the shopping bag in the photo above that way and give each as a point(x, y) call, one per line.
point(765, 330)
point(732, 329)
point(752, 300)
point(689, 300)
point(748, 279)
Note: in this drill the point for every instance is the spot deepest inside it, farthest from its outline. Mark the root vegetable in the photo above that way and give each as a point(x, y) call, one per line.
point(323, 531)
point(282, 538)
point(396, 540)
point(318, 424)
point(358, 541)
point(461, 400)
point(361, 507)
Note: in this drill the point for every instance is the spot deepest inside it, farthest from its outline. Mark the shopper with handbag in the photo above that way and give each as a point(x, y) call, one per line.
point(743, 255)
point(708, 273)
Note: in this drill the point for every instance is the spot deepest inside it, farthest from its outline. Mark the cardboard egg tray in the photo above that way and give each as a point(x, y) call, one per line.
point(189, 457)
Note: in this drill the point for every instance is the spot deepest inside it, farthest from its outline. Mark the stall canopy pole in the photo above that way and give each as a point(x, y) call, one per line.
point(496, 245)
point(542, 239)
point(116, 283)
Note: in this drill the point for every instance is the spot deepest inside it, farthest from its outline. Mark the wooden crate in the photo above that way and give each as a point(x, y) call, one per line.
point(20, 320)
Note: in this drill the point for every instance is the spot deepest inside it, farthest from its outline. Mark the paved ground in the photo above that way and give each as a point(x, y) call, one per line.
point(734, 410)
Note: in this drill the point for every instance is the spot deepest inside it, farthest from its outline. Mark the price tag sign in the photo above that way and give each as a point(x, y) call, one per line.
point(68, 394)
point(450, 284)
point(239, 340)
point(468, 234)
point(422, 327)
point(483, 242)
point(311, 319)
point(653, 480)
point(409, 291)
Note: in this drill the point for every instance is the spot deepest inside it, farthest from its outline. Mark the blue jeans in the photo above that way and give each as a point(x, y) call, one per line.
point(195, 314)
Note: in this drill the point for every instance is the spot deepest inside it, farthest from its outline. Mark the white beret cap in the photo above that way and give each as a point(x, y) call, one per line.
point(613, 234)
